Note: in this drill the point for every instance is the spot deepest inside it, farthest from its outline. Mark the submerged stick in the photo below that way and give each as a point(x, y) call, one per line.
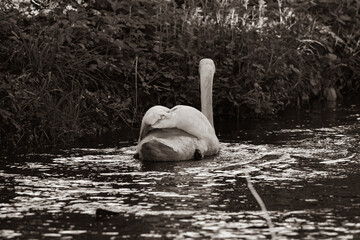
point(262, 206)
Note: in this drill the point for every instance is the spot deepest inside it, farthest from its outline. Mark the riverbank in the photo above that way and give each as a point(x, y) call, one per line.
point(72, 70)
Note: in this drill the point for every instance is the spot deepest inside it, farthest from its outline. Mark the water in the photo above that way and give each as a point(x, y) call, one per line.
point(304, 166)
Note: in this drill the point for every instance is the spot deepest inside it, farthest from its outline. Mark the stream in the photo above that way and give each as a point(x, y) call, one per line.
point(305, 166)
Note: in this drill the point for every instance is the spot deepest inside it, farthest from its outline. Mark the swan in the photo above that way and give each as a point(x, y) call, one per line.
point(182, 132)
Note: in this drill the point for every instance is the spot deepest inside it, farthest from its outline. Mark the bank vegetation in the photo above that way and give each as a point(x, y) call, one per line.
point(74, 68)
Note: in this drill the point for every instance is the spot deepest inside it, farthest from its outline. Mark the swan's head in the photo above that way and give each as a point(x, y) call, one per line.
point(206, 65)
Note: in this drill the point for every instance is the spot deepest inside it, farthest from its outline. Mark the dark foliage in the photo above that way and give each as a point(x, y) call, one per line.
point(70, 68)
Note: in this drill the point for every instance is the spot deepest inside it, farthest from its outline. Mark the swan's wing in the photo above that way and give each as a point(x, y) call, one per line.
point(194, 122)
point(183, 117)
point(188, 119)
point(151, 117)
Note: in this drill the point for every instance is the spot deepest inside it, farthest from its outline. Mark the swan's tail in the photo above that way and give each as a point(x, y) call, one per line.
point(157, 150)
point(167, 145)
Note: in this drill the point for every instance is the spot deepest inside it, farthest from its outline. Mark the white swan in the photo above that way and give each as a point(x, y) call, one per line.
point(182, 132)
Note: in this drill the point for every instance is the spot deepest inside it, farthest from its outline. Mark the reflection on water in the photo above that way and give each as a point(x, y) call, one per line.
point(305, 168)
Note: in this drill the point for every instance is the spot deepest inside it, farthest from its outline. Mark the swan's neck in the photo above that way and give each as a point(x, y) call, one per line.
point(207, 71)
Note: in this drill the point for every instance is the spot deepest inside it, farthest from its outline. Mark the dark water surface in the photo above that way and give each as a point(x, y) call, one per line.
point(304, 165)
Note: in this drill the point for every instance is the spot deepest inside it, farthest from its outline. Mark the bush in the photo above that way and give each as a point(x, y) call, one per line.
point(72, 68)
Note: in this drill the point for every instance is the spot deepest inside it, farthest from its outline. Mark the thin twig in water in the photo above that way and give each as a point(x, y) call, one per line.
point(262, 206)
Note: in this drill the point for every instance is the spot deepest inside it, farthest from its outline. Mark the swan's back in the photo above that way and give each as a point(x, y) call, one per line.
point(182, 117)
